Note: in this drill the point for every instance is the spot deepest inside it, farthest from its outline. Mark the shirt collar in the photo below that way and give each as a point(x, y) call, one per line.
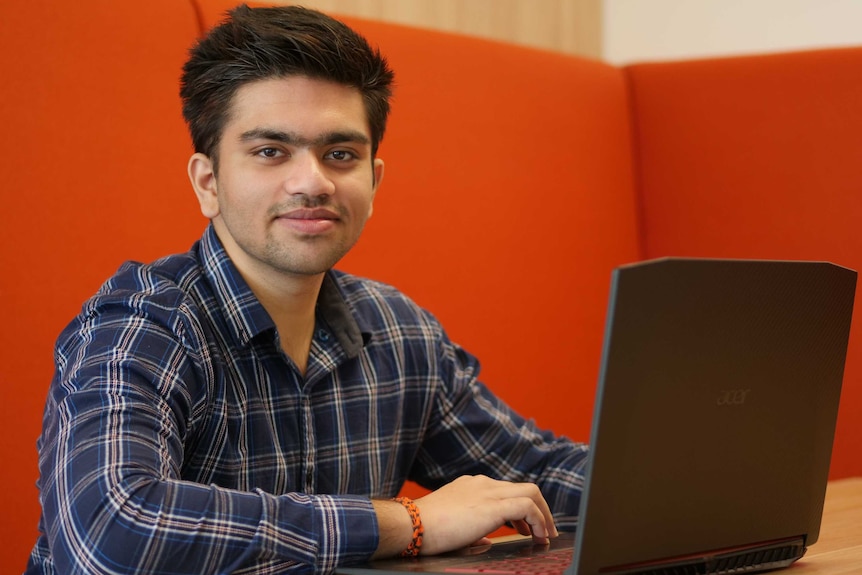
point(339, 316)
point(247, 318)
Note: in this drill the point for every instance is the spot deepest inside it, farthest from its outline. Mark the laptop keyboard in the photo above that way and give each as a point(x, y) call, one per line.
point(548, 563)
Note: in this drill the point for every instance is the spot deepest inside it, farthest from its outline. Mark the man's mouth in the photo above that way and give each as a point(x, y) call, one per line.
point(310, 221)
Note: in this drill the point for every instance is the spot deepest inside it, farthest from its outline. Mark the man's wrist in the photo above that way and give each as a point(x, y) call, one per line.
point(415, 546)
point(395, 528)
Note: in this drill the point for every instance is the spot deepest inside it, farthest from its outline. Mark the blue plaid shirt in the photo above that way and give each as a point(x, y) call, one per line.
point(179, 438)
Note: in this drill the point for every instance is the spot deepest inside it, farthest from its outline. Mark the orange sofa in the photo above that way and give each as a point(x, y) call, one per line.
point(515, 181)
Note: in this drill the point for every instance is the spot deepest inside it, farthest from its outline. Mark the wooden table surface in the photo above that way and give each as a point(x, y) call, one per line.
point(839, 549)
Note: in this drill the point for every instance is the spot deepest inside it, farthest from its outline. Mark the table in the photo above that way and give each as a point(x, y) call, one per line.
point(838, 551)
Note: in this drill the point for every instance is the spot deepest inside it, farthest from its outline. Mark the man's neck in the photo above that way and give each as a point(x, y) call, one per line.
point(292, 307)
point(290, 300)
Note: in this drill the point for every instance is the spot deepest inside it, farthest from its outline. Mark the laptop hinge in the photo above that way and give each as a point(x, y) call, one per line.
point(744, 559)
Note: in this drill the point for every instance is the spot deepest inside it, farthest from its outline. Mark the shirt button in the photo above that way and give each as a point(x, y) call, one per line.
point(323, 335)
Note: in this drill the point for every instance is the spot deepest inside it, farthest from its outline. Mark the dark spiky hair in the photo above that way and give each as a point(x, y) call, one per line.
point(259, 43)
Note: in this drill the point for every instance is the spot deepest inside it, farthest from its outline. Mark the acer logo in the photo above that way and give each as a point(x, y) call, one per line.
point(732, 396)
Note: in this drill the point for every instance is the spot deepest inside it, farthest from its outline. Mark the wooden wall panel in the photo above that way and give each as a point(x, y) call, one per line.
point(568, 26)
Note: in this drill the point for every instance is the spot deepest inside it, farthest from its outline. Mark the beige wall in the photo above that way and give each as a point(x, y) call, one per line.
point(569, 26)
point(624, 31)
point(639, 30)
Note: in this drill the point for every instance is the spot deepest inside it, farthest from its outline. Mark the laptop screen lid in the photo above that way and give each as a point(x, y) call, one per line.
point(713, 424)
point(715, 413)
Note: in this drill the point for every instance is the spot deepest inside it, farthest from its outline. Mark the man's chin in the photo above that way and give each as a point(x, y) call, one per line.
point(310, 266)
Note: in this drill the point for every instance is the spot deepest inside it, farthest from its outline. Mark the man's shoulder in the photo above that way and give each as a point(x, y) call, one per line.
point(358, 286)
point(168, 291)
point(374, 299)
point(356, 289)
point(173, 277)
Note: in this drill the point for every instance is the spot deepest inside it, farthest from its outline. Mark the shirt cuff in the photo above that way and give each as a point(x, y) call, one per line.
point(325, 531)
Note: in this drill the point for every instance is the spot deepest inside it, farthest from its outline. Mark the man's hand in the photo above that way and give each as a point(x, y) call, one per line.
point(464, 512)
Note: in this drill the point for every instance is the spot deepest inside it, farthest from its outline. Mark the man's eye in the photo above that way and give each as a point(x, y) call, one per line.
point(341, 155)
point(269, 152)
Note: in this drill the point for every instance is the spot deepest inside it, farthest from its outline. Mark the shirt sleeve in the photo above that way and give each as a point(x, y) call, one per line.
point(474, 432)
point(111, 456)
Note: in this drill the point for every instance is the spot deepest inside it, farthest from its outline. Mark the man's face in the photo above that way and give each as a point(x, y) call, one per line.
point(296, 179)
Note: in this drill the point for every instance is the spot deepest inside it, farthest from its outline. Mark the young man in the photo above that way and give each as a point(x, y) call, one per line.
point(244, 408)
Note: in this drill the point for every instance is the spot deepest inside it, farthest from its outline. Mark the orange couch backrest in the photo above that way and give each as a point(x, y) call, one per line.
point(93, 152)
point(489, 214)
point(758, 157)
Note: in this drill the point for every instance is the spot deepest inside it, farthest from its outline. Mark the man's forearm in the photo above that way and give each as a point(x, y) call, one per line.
point(394, 526)
point(179, 527)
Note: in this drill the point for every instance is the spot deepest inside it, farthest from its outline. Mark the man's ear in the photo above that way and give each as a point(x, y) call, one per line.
point(377, 168)
point(203, 180)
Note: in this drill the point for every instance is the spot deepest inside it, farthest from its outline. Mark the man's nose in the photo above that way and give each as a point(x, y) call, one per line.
point(307, 176)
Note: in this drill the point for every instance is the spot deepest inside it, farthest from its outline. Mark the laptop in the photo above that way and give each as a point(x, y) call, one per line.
point(713, 425)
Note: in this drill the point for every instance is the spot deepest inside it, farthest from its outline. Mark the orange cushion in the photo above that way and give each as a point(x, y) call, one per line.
point(758, 157)
point(507, 201)
point(94, 152)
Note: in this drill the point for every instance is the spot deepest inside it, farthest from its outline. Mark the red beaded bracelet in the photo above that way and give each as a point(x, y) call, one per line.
point(418, 530)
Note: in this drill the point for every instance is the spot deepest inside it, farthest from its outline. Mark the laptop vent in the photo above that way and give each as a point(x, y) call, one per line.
point(763, 558)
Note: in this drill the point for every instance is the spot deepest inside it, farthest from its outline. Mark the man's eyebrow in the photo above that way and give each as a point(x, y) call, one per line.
point(293, 139)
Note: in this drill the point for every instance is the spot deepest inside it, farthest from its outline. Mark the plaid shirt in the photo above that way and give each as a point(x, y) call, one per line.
point(179, 438)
